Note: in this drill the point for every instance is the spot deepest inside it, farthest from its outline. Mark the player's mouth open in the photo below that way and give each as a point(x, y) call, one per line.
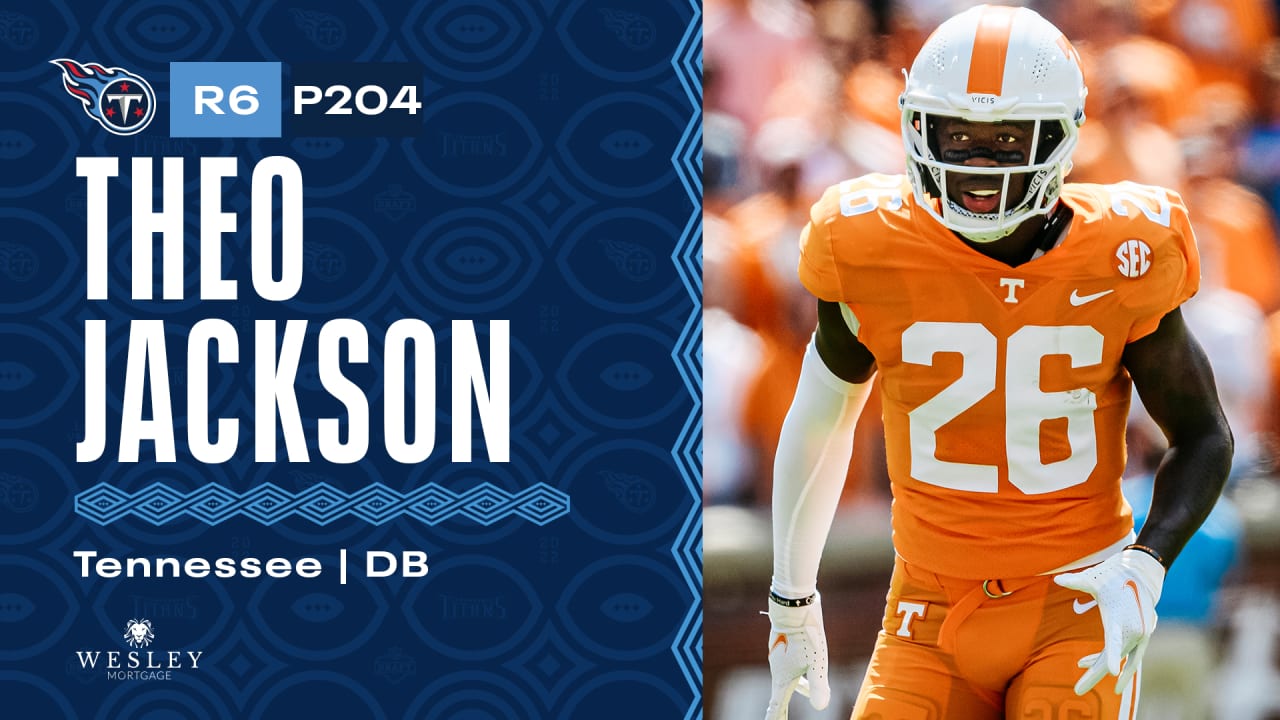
point(981, 200)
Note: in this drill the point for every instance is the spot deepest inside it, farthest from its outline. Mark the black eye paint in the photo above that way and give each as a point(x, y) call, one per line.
point(956, 157)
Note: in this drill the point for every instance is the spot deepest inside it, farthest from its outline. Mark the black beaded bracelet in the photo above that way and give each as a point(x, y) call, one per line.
point(1148, 550)
point(788, 602)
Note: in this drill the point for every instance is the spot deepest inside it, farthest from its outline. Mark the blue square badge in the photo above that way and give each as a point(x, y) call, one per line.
point(224, 99)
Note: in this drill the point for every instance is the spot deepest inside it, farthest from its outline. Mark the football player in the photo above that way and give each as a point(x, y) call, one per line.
point(1008, 315)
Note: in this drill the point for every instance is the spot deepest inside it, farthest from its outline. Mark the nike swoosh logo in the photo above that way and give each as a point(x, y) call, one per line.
point(1082, 608)
point(779, 640)
point(1137, 599)
point(1077, 299)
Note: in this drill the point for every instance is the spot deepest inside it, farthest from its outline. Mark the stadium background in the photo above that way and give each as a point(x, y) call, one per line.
point(800, 94)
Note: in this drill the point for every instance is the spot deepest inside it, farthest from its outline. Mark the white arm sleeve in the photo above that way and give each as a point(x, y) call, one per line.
point(809, 471)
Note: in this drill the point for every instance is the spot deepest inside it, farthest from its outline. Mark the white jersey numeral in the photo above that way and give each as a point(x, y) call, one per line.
point(875, 191)
point(977, 348)
point(1142, 197)
point(1026, 404)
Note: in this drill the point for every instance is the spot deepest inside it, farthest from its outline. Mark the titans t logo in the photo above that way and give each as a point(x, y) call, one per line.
point(120, 101)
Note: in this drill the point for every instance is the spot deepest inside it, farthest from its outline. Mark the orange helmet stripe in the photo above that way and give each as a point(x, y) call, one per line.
point(990, 48)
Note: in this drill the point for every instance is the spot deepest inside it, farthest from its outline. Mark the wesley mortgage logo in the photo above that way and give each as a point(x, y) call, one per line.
point(142, 662)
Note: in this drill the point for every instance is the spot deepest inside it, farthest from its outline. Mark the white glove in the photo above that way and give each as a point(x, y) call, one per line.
point(1127, 587)
point(797, 656)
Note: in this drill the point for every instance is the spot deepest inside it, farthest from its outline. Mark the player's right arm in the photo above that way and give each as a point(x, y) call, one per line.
point(814, 450)
point(816, 442)
point(809, 469)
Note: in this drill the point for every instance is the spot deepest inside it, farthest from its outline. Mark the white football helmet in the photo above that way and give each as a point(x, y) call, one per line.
point(987, 64)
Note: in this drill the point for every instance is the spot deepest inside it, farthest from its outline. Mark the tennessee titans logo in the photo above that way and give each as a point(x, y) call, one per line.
point(120, 101)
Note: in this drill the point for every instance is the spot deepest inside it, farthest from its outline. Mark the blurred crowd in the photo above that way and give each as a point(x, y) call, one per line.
point(800, 94)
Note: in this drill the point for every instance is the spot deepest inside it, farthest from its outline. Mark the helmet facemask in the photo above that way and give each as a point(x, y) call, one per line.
point(932, 173)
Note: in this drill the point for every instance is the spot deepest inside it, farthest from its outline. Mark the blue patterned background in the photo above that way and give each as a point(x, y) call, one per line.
point(563, 584)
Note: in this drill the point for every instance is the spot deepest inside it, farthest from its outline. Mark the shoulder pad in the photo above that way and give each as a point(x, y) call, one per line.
point(1149, 209)
point(825, 243)
point(867, 195)
point(1148, 241)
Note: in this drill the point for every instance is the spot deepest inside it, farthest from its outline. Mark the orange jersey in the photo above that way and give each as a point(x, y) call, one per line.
point(1004, 397)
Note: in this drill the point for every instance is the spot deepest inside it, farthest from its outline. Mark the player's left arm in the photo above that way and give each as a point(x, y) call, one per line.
point(1174, 380)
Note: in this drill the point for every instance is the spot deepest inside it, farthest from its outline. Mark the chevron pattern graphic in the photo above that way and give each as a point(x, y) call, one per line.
point(321, 503)
point(688, 358)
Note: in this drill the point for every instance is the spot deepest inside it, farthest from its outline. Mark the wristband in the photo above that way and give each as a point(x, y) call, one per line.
point(1148, 550)
point(788, 602)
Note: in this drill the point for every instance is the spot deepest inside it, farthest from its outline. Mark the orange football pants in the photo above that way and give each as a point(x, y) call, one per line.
point(948, 650)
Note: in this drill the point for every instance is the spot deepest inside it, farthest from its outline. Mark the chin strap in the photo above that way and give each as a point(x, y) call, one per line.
point(1055, 228)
